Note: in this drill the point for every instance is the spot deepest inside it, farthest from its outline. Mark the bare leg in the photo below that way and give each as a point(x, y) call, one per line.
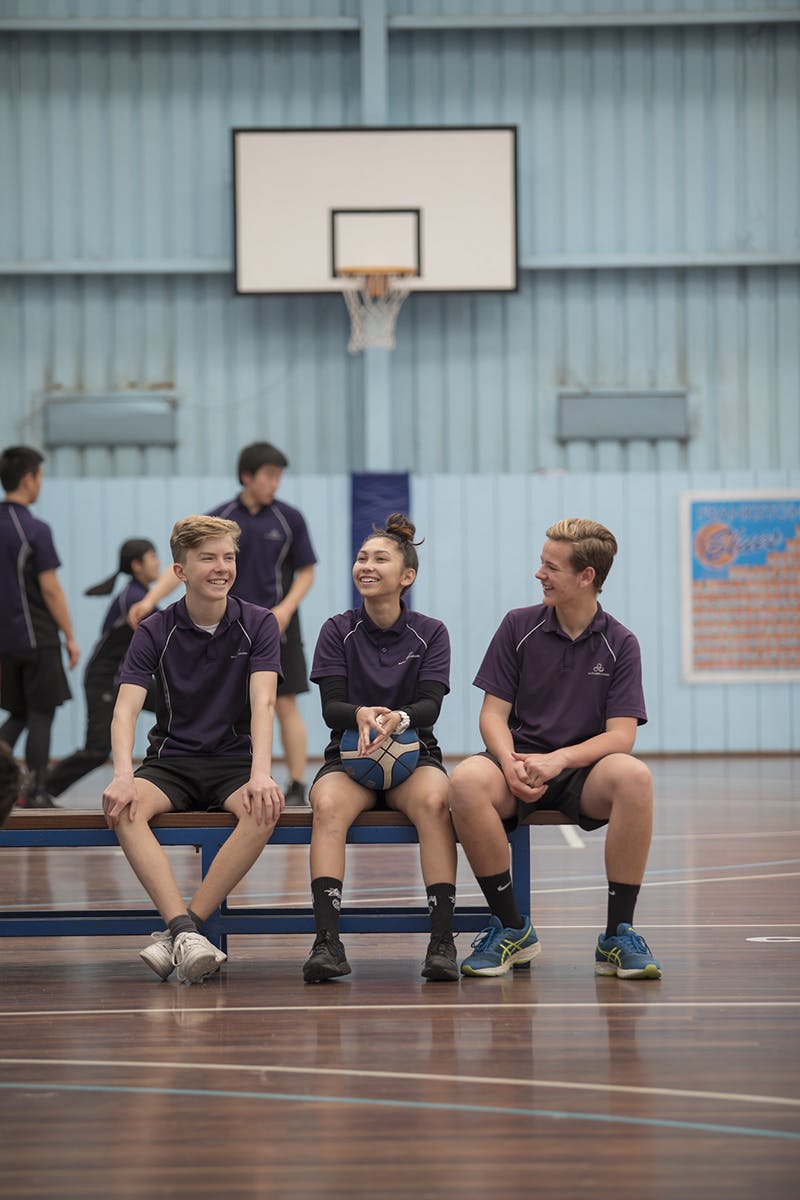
point(145, 855)
point(423, 798)
point(336, 801)
point(234, 859)
point(479, 799)
point(293, 735)
point(620, 791)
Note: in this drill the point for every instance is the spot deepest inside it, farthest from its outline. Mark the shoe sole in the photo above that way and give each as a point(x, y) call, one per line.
point(440, 971)
point(519, 959)
point(651, 971)
point(319, 974)
point(162, 969)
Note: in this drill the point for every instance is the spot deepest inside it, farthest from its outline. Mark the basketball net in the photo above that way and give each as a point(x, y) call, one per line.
point(373, 305)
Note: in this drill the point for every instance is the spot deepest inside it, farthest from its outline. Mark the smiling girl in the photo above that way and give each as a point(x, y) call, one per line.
point(382, 669)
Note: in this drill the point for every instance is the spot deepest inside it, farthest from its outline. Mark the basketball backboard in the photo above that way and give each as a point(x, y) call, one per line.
point(313, 207)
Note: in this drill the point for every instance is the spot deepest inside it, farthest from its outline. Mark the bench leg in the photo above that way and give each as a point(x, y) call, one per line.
point(520, 841)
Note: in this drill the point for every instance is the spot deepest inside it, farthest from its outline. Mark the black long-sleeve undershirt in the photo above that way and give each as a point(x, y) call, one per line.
point(338, 713)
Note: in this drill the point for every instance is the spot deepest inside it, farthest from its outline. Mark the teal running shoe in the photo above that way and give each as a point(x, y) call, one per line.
point(627, 956)
point(497, 950)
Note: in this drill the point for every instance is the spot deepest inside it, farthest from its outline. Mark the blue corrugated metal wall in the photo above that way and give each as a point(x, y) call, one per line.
point(660, 248)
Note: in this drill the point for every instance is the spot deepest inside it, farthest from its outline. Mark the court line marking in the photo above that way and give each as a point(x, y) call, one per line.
point(572, 837)
point(419, 895)
point(329, 1009)
point(424, 1105)
point(407, 1076)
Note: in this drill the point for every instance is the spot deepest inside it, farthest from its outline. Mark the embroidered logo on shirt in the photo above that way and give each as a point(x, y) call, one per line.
point(274, 535)
point(598, 669)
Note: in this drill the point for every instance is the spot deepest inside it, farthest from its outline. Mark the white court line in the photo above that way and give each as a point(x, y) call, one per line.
point(329, 1009)
point(699, 837)
point(410, 1076)
point(572, 837)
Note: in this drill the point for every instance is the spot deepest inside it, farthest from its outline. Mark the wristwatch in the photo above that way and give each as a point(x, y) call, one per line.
point(405, 721)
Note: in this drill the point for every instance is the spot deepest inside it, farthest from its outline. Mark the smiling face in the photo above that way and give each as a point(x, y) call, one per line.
point(379, 572)
point(562, 585)
point(209, 569)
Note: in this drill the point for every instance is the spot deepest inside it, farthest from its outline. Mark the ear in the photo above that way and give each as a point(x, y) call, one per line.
point(408, 577)
point(179, 571)
point(588, 576)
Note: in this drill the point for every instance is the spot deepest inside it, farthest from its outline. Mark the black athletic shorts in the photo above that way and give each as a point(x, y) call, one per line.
point(293, 661)
point(563, 795)
point(33, 680)
point(196, 784)
point(335, 764)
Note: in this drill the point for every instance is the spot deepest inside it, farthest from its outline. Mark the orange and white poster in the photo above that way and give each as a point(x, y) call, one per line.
point(740, 586)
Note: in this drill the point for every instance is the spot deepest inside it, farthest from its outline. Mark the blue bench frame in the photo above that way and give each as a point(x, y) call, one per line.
point(63, 828)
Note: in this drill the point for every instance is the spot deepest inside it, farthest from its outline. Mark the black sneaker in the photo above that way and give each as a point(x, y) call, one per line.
point(295, 794)
point(327, 959)
point(40, 800)
point(441, 962)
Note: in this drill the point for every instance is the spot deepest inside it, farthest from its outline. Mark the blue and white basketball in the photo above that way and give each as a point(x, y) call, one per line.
point(391, 765)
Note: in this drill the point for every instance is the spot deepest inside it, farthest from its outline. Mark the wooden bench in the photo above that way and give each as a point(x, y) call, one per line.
point(64, 828)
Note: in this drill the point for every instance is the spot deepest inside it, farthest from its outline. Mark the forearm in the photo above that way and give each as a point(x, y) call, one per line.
point(58, 608)
point(123, 731)
point(496, 736)
point(262, 724)
point(163, 586)
point(584, 754)
point(300, 585)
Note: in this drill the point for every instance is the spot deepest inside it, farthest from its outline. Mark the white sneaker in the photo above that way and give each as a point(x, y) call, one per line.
point(195, 957)
point(158, 955)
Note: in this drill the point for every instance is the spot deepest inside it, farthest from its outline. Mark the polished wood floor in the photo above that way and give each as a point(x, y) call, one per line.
point(551, 1083)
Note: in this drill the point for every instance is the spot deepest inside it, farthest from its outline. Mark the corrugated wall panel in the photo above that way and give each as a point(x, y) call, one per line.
point(474, 380)
point(483, 536)
point(118, 147)
point(632, 141)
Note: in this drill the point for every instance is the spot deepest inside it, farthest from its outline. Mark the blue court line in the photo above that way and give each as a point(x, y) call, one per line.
point(364, 1101)
point(540, 884)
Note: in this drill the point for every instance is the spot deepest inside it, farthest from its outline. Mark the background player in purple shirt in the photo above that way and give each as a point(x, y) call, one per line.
point(382, 669)
point(275, 569)
point(10, 782)
point(563, 699)
point(137, 559)
point(33, 613)
point(216, 662)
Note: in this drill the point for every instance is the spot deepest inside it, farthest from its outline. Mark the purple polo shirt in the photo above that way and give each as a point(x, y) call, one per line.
point(273, 545)
point(117, 613)
point(562, 692)
point(202, 680)
point(382, 666)
point(26, 550)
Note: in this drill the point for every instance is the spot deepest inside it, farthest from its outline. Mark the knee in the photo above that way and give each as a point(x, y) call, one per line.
point(257, 833)
point(327, 813)
point(633, 782)
point(435, 806)
point(467, 794)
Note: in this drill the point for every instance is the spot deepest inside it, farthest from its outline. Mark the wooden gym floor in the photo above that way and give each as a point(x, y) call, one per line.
point(552, 1082)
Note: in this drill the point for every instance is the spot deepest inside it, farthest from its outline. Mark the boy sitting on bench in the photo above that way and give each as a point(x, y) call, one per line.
point(216, 664)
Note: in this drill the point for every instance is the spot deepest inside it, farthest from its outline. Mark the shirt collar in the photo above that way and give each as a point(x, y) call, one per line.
point(232, 613)
point(376, 631)
point(597, 624)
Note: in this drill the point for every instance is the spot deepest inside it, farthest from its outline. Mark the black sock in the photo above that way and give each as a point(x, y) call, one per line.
point(441, 906)
point(198, 921)
point(181, 925)
point(621, 903)
point(327, 899)
point(501, 900)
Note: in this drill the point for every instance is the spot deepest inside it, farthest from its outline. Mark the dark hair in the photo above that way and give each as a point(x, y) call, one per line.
point(129, 552)
point(399, 529)
point(10, 781)
point(260, 454)
point(16, 462)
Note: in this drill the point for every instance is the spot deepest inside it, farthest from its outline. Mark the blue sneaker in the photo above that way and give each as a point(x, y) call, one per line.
point(497, 950)
point(627, 956)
